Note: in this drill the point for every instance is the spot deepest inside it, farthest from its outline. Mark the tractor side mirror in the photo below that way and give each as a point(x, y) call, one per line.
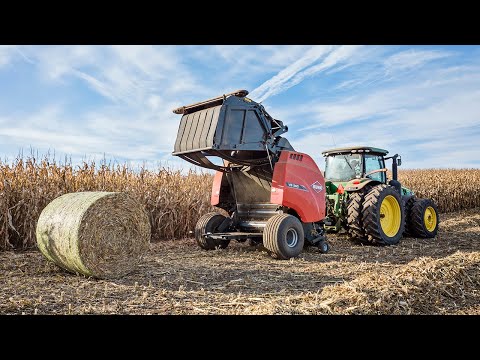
point(399, 161)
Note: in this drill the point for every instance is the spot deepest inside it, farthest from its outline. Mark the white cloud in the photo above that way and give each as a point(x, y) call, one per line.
point(262, 57)
point(54, 62)
point(430, 123)
point(128, 74)
point(233, 67)
point(377, 66)
point(337, 56)
point(277, 83)
point(6, 54)
point(430, 87)
point(306, 67)
point(97, 85)
point(410, 59)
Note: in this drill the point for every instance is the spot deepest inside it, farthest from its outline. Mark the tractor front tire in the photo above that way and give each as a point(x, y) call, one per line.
point(424, 219)
point(283, 236)
point(209, 223)
point(383, 215)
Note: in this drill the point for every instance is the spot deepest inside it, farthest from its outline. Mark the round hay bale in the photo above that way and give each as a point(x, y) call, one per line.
point(99, 234)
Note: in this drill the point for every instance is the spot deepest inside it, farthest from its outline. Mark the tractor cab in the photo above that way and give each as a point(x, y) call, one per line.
point(355, 165)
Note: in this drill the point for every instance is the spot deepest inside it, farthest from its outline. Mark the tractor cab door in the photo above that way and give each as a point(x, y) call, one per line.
point(374, 162)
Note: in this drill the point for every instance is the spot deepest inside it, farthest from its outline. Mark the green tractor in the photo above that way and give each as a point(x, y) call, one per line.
point(371, 208)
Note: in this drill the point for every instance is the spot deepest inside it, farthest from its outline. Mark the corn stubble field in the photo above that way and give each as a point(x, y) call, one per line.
point(428, 276)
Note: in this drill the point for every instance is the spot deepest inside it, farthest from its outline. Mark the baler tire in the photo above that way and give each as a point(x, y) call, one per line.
point(278, 230)
point(208, 223)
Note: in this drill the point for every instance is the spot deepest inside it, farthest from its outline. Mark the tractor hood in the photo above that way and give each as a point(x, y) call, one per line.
point(352, 185)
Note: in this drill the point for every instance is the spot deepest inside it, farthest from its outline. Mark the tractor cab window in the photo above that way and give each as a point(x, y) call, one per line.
point(343, 167)
point(375, 162)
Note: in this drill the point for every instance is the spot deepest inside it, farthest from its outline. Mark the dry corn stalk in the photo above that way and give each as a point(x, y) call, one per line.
point(174, 201)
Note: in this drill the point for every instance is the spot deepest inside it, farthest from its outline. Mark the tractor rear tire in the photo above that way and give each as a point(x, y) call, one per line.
point(283, 236)
point(383, 215)
point(407, 205)
point(354, 214)
point(208, 223)
point(424, 219)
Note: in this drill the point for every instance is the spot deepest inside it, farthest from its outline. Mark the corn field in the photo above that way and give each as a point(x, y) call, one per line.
point(174, 201)
point(451, 189)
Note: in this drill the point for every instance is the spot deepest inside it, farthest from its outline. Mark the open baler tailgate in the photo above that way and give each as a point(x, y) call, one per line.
point(233, 128)
point(197, 131)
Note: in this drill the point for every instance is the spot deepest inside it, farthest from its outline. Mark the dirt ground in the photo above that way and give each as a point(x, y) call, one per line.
point(432, 276)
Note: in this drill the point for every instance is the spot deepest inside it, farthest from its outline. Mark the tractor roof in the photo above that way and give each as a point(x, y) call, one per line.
point(355, 149)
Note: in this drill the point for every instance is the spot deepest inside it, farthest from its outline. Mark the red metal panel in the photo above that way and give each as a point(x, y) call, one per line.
point(217, 183)
point(299, 184)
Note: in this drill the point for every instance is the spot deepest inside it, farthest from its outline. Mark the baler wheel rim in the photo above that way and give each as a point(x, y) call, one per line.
point(292, 238)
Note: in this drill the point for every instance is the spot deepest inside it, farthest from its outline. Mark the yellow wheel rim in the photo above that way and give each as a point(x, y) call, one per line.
point(390, 216)
point(430, 218)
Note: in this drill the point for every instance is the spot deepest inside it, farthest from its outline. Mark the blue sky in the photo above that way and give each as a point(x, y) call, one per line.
point(115, 101)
